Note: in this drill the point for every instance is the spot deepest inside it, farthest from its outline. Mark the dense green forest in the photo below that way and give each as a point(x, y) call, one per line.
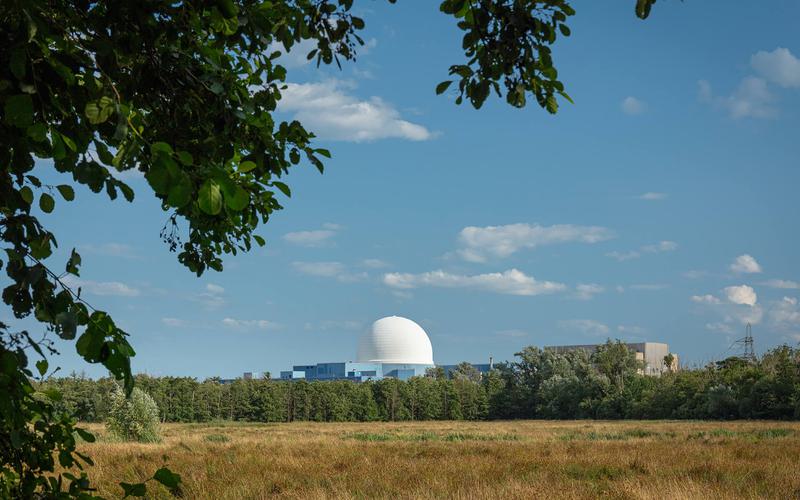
point(537, 384)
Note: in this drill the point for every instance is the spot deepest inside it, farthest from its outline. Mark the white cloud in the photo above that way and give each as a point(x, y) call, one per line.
point(623, 256)
point(329, 111)
point(585, 326)
point(324, 269)
point(746, 314)
point(374, 263)
point(111, 250)
point(333, 324)
point(745, 264)
point(782, 284)
point(297, 56)
point(740, 306)
point(653, 196)
point(660, 247)
point(101, 288)
point(328, 270)
point(511, 333)
point(651, 287)
point(779, 67)
point(212, 297)
point(742, 294)
point(314, 238)
point(480, 243)
point(175, 322)
point(631, 329)
point(719, 327)
point(706, 299)
point(752, 99)
point(246, 324)
point(785, 313)
point(633, 106)
point(587, 291)
point(512, 282)
point(695, 274)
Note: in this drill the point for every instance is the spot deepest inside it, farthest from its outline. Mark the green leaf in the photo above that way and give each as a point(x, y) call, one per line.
point(67, 326)
point(73, 262)
point(167, 478)
point(18, 62)
point(159, 174)
point(103, 153)
point(185, 158)
point(18, 110)
point(643, 8)
point(69, 142)
point(180, 192)
point(38, 132)
point(210, 198)
point(127, 192)
point(46, 203)
point(237, 199)
point(246, 166)
point(227, 8)
point(261, 242)
point(283, 187)
point(96, 113)
point(134, 490)
point(323, 152)
point(16, 439)
point(41, 365)
point(85, 435)
point(443, 86)
point(53, 394)
point(66, 192)
point(58, 151)
point(160, 147)
point(552, 104)
point(27, 194)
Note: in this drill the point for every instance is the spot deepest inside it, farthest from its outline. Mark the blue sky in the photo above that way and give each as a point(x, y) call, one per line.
point(661, 206)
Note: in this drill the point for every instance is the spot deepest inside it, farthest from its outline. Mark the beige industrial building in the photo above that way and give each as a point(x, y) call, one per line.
point(652, 354)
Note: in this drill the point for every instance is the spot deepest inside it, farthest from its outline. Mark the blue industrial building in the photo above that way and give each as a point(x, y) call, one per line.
point(394, 347)
point(358, 372)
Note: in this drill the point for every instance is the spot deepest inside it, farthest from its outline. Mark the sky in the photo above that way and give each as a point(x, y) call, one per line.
point(661, 206)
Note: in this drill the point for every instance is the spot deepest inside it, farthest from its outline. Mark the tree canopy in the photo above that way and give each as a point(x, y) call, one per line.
point(184, 92)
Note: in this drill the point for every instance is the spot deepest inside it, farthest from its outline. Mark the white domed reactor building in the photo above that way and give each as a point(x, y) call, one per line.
point(392, 347)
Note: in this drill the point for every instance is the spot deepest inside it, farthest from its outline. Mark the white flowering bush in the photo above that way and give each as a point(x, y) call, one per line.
point(134, 418)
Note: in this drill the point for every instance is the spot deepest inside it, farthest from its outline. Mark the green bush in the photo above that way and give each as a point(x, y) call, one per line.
point(134, 418)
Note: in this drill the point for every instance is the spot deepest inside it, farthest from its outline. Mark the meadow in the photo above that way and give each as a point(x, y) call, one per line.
point(452, 459)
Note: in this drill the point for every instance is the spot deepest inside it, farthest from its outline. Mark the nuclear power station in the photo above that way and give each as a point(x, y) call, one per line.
point(399, 348)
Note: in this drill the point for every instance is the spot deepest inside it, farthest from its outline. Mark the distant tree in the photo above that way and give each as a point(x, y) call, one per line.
point(616, 361)
point(465, 371)
point(669, 360)
point(436, 372)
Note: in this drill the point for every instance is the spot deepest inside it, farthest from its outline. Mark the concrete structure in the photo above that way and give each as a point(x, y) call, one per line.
point(650, 353)
point(399, 348)
point(393, 347)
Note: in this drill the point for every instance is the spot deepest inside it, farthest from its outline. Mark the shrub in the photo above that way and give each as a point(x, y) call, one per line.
point(134, 418)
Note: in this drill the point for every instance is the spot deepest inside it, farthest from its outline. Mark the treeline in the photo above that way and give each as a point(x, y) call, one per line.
point(537, 384)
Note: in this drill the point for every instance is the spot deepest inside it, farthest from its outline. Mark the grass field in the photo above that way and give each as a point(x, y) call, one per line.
point(522, 459)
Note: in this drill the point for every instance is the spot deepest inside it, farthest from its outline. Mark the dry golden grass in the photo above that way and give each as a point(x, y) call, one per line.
point(521, 459)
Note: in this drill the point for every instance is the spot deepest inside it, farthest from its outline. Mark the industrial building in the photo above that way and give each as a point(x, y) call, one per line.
point(651, 354)
point(393, 347)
